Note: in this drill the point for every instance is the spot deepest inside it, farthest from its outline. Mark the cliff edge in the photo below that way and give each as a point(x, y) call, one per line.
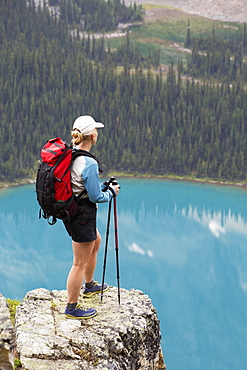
point(120, 337)
point(6, 337)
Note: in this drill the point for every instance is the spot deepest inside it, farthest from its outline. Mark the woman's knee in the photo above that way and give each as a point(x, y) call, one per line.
point(97, 242)
point(99, 239)
point(80, 263)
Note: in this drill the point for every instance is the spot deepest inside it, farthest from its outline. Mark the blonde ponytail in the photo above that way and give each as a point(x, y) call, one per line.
point(78, 137)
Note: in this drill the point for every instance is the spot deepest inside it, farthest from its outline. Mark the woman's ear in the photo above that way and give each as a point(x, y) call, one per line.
point(93, 138)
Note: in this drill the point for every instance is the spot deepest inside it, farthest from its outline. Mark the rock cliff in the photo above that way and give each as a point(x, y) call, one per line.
point(120, 337)
point(6, 336)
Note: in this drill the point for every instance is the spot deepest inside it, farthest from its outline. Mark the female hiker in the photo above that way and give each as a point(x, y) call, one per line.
point(82, 227)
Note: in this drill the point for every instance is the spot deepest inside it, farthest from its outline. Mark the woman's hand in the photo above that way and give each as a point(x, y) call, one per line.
point(115, 188)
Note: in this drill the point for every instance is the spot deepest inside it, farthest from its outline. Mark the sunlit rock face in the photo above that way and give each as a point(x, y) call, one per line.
point(122, 336)
point(6, 336)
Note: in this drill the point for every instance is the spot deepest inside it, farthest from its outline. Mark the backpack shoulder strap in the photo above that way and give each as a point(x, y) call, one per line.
point(79, 152)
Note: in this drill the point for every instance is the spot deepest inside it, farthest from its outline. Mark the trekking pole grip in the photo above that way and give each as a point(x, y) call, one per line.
point(112, 181)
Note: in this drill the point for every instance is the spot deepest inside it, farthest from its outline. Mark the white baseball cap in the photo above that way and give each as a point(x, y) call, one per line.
point(86, 124)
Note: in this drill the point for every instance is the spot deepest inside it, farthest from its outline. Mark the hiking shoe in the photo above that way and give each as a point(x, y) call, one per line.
point(97, 288)
point(80, 314)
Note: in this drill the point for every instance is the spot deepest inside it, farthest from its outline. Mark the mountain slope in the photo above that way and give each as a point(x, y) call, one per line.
point(234, 10)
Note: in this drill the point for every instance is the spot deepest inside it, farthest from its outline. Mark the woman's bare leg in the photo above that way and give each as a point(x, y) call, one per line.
point(82, 254)
point(92, 261)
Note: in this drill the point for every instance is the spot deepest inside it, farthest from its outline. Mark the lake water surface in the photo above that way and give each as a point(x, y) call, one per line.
point(183, 244)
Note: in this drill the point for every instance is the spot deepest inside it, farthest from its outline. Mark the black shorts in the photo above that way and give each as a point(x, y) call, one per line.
point(82, 226)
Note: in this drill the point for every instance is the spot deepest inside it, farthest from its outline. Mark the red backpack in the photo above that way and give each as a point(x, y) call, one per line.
point(53, 186)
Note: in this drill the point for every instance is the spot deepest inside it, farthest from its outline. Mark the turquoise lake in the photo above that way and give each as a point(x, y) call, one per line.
point(183, 244)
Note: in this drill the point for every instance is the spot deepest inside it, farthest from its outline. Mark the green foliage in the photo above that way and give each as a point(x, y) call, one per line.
point(219, 56)
point(12, 304)
point(153, 124)
point(53, 305)
point(98, 15)
point(17, 363)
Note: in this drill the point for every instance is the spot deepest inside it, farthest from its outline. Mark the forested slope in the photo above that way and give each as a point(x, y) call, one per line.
point(153, 124)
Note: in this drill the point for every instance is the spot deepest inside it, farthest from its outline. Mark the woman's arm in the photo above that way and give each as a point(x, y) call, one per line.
point(93, 184)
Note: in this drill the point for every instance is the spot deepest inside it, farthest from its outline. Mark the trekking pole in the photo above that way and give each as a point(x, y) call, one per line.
point(116, 244)
point(106, 245)
point(107, 235)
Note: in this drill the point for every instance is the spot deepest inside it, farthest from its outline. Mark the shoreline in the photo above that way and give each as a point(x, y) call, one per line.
point(181, 178)
point(7, 185)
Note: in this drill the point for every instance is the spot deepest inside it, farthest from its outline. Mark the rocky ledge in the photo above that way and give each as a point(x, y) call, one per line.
point(120, 337)
point(6, 336)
